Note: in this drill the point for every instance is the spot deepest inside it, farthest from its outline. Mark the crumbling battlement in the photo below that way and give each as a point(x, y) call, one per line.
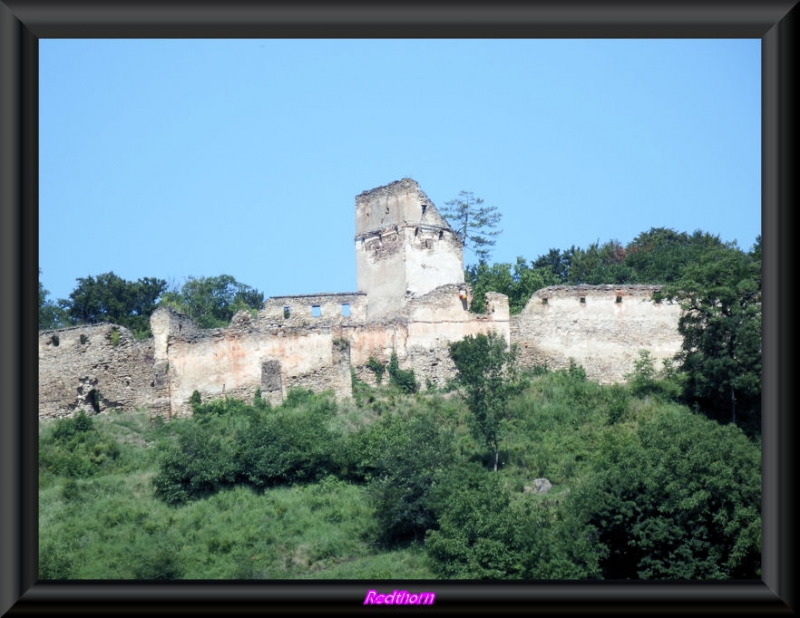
point(600, 327)
point(412, 301)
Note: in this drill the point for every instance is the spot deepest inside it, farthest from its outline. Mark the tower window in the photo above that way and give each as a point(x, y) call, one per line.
point(286, 313)
point(583, 300)
point(316, 311)
point(619, 299)
point(346, 310)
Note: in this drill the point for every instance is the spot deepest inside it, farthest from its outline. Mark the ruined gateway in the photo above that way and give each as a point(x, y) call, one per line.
point(411, 300)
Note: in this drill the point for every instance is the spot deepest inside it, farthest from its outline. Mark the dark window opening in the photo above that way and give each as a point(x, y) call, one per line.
point(84, 339)
point(286, 313)
point(54, 340)
point(619, 299)
point(583, 300)
point(316, 311)
point(441, 234)
point(424, 207)
point(346, 310)
point(544, 301)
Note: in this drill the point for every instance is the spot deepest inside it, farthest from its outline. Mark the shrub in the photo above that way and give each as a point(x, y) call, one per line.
point(678, 499)
point(409, 470)
point(202, 463)
point(377, 368)
point(291, 445)
point(404, 379)
point(75, 448)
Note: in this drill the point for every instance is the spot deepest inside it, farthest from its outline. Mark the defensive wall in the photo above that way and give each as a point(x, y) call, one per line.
point(411, 301)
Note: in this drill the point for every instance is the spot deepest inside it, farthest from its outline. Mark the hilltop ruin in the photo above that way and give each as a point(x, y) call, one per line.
point(411, 300)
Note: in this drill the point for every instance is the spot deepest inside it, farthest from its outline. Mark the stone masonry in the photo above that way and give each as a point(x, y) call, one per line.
point(412, 301)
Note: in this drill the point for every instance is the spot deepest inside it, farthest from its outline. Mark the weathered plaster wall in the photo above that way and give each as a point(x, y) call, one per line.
point(403, 247)
point(331, 309)
point(81, 368)
point(433, 259)
point(441, 317)
point(603, 333)
point(237, 361)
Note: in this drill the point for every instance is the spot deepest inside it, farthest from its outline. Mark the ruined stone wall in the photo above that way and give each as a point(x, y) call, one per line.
point(324, 309)
point(398, 203)
point(603, 333)
point(412, 301)
point(441, 317)
point(403, 246)
point(602, 328)
point(96, 367)
point(238, 360)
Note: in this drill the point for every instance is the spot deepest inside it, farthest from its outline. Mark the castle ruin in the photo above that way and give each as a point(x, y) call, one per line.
point(411, 300)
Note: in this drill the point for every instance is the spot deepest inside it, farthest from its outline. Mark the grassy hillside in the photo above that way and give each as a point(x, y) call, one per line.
point(392, 486)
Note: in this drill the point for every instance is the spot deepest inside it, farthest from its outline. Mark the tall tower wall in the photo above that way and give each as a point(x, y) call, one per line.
point(404, 247)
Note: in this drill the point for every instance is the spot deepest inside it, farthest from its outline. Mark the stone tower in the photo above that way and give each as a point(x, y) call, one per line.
point(404, 247)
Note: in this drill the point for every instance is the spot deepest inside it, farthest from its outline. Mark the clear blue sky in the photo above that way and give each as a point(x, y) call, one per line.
point(170, 158)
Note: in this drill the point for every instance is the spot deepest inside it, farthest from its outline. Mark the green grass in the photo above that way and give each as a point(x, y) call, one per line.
point(104, 521)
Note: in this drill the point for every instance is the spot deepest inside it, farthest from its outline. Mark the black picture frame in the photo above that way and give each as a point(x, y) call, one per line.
point(23, 23)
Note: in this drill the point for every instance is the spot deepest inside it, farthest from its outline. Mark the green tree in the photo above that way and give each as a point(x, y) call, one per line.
point(659, 255)
point(517, 282)
point(409, 475)
point(486, 369)
point(212, 301)
point(50, 314)
point(557, 262)
point(679, 498)
point(720, 294)
point(110, 298)
point(473, 222)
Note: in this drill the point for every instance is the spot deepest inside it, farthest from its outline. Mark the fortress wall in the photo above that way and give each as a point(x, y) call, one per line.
point(85, 370)
point(235, 362)
point(604, 333)
point(394, 204)
point(433, 259)
point(332, 308)
point(380, 269)
point(441, 317)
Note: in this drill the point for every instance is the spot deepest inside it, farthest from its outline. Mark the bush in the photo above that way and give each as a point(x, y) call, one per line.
point(404, 379)
point(377, 368)
point(678, 499)
point(293, 444)
point(229, 442)
point(410, 470)
point(75, 448)
point(202, 463)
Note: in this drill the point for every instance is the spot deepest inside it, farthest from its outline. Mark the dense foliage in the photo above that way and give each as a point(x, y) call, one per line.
point(104, 298)
point(721, 329)
point(485, 368)
point(212, 301)
point(642, 487)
